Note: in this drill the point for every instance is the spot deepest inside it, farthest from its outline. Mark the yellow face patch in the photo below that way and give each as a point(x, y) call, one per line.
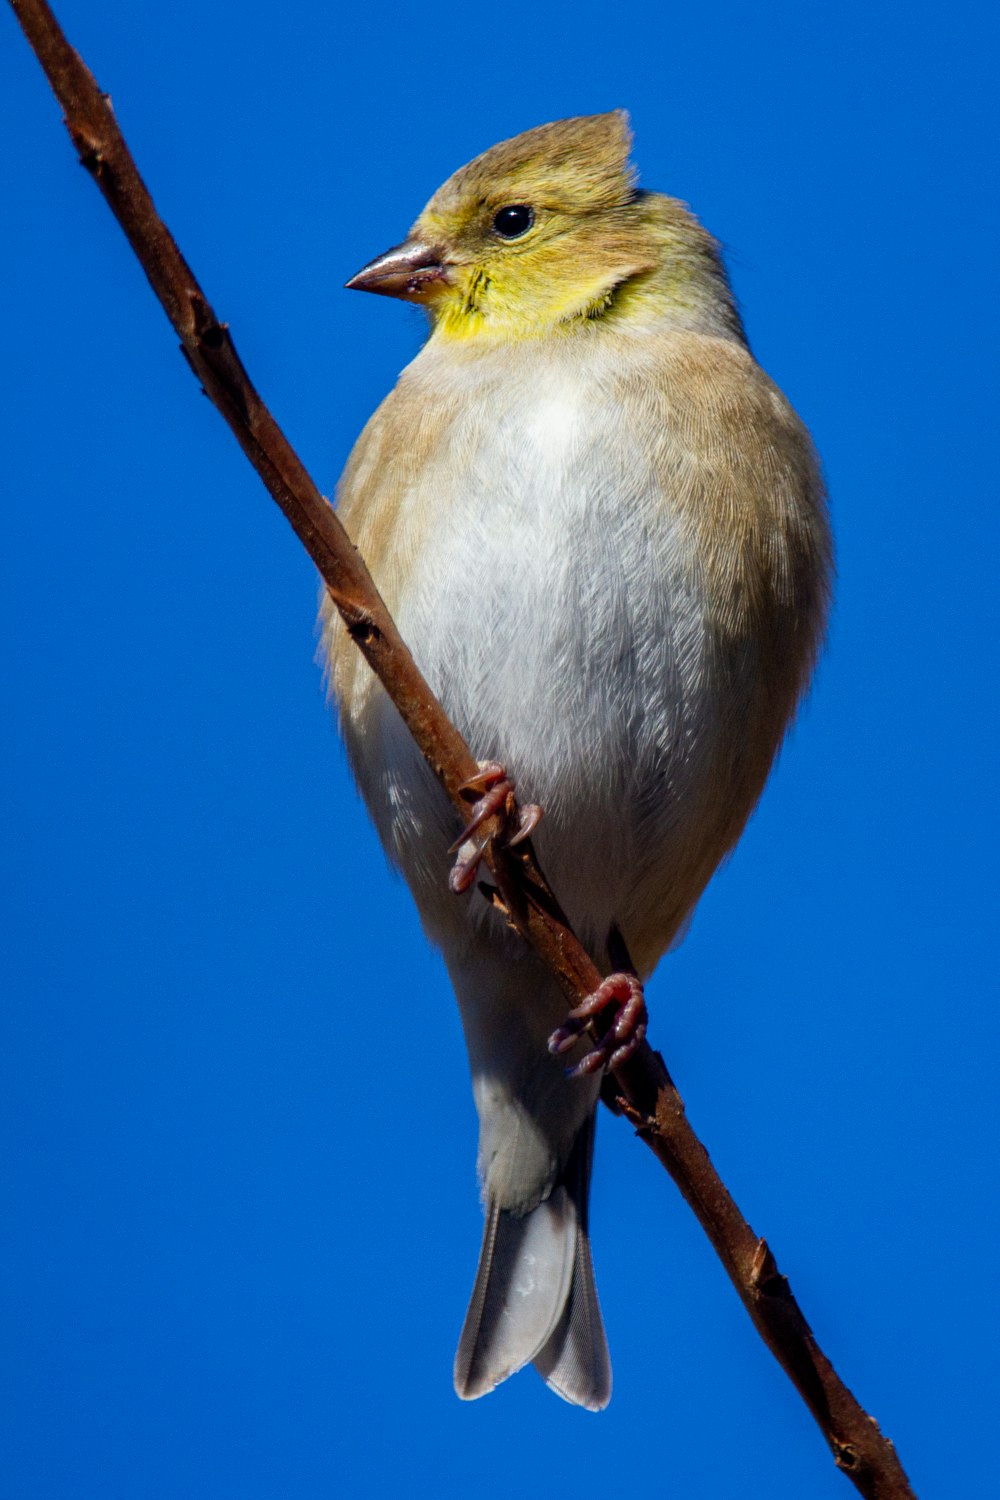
point(546, 233)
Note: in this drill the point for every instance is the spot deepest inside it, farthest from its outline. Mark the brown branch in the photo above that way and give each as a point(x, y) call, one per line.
point(645, 1092)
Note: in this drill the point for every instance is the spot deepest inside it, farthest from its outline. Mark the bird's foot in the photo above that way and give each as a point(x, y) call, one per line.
point(496, 795)
point(627, 1030)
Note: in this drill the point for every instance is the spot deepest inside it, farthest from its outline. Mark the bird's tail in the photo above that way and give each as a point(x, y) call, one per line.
point(535, 1298)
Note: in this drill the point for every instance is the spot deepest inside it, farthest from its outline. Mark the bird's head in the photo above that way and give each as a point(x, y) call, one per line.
point(548, 231)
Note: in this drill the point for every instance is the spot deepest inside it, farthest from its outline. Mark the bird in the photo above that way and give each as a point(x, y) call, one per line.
point(603, 532)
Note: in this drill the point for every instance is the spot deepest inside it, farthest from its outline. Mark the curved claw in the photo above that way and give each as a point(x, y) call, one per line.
point(489, 773)
point(531, 816)
point(497, 790)
point(489, 803)
point(624, 1034)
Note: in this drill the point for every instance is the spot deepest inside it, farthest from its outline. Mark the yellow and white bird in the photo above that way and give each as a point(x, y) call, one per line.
point(602, 531)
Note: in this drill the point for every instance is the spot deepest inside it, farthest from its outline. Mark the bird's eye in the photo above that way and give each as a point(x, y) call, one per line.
point(511, 222)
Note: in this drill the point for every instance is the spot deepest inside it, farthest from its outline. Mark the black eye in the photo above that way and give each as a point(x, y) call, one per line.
point(510, 223)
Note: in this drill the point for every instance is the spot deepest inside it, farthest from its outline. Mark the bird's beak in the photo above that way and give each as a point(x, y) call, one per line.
point(412, 270)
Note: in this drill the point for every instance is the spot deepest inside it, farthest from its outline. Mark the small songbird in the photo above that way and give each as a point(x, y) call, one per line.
point(602, 532)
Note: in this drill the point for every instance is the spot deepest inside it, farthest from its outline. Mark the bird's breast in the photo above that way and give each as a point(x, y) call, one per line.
point(548, 594)
point(528, 521)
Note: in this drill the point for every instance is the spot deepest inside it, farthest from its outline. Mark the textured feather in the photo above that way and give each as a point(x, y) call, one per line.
point(612, 570)
point(534, 1297)
point(523, 1280)
point(574, 1361)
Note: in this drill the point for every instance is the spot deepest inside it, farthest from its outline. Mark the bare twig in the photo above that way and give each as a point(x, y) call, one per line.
point(645, 1092)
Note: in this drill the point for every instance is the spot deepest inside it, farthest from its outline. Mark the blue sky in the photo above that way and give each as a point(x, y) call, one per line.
point(240, 1217)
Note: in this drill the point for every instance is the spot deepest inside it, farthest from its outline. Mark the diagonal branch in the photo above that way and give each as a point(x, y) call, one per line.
point(644, 1089)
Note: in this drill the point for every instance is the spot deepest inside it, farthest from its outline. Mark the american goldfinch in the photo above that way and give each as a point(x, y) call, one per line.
point(602, 532)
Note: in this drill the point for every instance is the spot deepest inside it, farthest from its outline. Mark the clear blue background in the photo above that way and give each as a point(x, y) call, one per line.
point(239, 1211)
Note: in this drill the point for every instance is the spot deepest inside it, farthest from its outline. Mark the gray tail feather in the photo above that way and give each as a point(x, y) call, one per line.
point(574, 1361)
point(535, 1298)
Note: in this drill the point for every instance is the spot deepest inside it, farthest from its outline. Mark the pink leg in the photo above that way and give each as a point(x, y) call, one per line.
point(497, 793)
point(627, 1030)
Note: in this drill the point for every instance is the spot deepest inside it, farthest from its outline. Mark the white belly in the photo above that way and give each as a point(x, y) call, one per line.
point(555, 609)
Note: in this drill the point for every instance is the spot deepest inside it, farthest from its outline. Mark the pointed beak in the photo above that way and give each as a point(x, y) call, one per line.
point(411, 270)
